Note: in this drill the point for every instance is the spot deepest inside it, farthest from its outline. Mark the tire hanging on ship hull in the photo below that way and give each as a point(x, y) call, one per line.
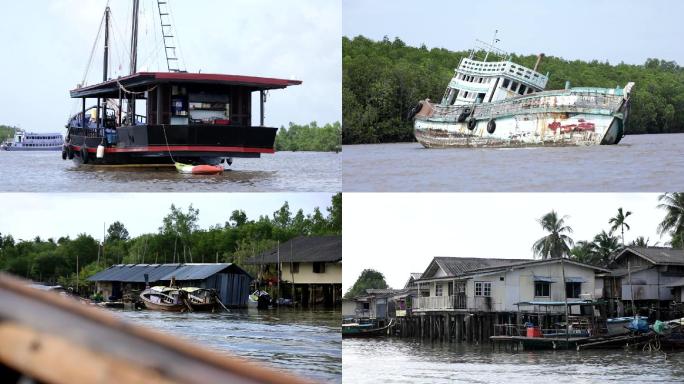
point(472, 123)
point(491, 126)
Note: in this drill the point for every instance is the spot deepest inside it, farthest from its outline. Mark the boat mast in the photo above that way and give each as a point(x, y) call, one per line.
point(134, 58)
point(106, 45)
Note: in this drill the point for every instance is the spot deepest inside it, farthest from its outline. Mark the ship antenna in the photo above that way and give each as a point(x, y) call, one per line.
point(494, 41)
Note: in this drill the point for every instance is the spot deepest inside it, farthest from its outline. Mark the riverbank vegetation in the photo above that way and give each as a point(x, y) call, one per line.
point(600, 249)
point(6, 132)
point(369, 279)
point(178, 240)
point(310, 137)
point(382, 80)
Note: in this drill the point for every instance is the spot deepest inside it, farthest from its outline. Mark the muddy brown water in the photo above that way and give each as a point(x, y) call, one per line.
point(640, 163)
point(282, 171)
point(305, 343)
point(393, 360)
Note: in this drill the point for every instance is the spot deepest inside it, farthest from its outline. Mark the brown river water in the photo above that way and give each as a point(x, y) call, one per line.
point(282, 171)
point(392, 360)
point(305, 343)
point(640, 163)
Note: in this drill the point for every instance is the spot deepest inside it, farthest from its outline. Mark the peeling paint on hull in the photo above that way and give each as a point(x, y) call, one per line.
point(521, 131)
point(551, 118)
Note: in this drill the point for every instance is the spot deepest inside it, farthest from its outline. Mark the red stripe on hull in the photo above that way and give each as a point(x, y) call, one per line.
point(178, 148)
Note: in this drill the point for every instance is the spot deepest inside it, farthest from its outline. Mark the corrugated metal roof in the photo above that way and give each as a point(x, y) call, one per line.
point(658, 255)
point(196, 271)
point(303, 249)
point(135, 273)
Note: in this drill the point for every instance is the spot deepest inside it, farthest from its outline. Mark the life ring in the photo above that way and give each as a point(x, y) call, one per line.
point(472, 123)
point(84, 155)
point(414, 111)
point(491, 126)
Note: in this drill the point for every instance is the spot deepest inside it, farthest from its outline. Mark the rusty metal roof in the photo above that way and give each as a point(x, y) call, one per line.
point(656, 255)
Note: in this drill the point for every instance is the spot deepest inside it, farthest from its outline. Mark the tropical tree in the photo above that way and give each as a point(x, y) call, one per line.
point(117, 231)
point(369, 279)
point(604, 244)
point(584, 252)
point(619, 222)
point(557, 243)
point(673, 222)
point(641, 242)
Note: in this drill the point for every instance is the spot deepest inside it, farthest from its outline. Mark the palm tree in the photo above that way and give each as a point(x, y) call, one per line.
point(584, 252)
point(604, 245)
point(557, 244)
point(673, 222)
point(641, 242)
point(619, 222)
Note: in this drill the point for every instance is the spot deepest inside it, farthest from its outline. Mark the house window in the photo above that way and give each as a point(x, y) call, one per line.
point(295, 267)
point(319, 267)
point(483, 288)
point(438, 289)
point(573, 290)
point(541, 289)
point(450, 288)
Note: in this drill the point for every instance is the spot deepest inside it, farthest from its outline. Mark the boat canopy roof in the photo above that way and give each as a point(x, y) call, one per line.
point(142, 81)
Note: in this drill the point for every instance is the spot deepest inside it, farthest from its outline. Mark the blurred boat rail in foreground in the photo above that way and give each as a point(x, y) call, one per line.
point(53, 339)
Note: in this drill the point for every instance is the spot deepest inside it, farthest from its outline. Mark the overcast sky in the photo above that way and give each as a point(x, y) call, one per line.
point(624, 30)
point(397, 234)
point(46, 45)
point(28, 215)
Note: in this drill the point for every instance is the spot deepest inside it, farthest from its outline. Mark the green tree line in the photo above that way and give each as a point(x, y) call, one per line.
point(178, 240)
point(603, 246)
point(310, 137)
point(6, 132)
point(382, 80)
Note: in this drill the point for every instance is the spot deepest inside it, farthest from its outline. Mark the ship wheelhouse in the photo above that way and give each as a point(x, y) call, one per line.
point(186, 115)
point(477, 82)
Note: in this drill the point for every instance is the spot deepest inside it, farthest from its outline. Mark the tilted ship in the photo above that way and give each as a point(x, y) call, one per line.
point(189, 118)
point(504, 104)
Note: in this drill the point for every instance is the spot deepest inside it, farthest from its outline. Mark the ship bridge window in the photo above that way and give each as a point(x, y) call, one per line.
point(209, 108)
point(521, 90)
point(505, 83)
point(514, 86)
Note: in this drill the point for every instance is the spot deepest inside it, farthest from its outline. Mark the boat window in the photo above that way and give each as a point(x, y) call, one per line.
point(465, 94)
point(514, 86)
point(541, 288)
point(521, 90)
point(505, 83)
point(209, 108)
point(529, 90)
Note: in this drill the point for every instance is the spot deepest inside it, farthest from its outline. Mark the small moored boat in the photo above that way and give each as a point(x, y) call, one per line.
point(167, 299)
point(201, 299)
point(365, 328)
point(204, 169)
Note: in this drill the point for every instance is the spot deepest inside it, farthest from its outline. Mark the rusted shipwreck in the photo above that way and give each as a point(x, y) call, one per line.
point(504, 104)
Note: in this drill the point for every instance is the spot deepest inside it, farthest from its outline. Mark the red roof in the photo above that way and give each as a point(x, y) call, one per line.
point(148, 78)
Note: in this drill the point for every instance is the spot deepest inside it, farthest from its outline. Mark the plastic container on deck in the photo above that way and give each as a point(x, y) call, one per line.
point(534, 332)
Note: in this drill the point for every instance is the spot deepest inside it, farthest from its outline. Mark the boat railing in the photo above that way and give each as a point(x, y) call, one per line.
point(88, 132)
point(570, 102)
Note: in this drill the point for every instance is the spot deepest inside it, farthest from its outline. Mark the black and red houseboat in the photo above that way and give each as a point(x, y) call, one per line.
point(192, 118)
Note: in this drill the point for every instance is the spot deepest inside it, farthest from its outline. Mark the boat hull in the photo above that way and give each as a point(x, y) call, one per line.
point(165, 144)
point(12, 148)
point(164, 307)
point(561, 118)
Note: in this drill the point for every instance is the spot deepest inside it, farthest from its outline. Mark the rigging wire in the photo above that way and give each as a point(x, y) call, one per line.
point(92, 51)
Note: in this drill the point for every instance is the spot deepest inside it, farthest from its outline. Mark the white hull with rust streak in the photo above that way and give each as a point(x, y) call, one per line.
point(539, 129)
